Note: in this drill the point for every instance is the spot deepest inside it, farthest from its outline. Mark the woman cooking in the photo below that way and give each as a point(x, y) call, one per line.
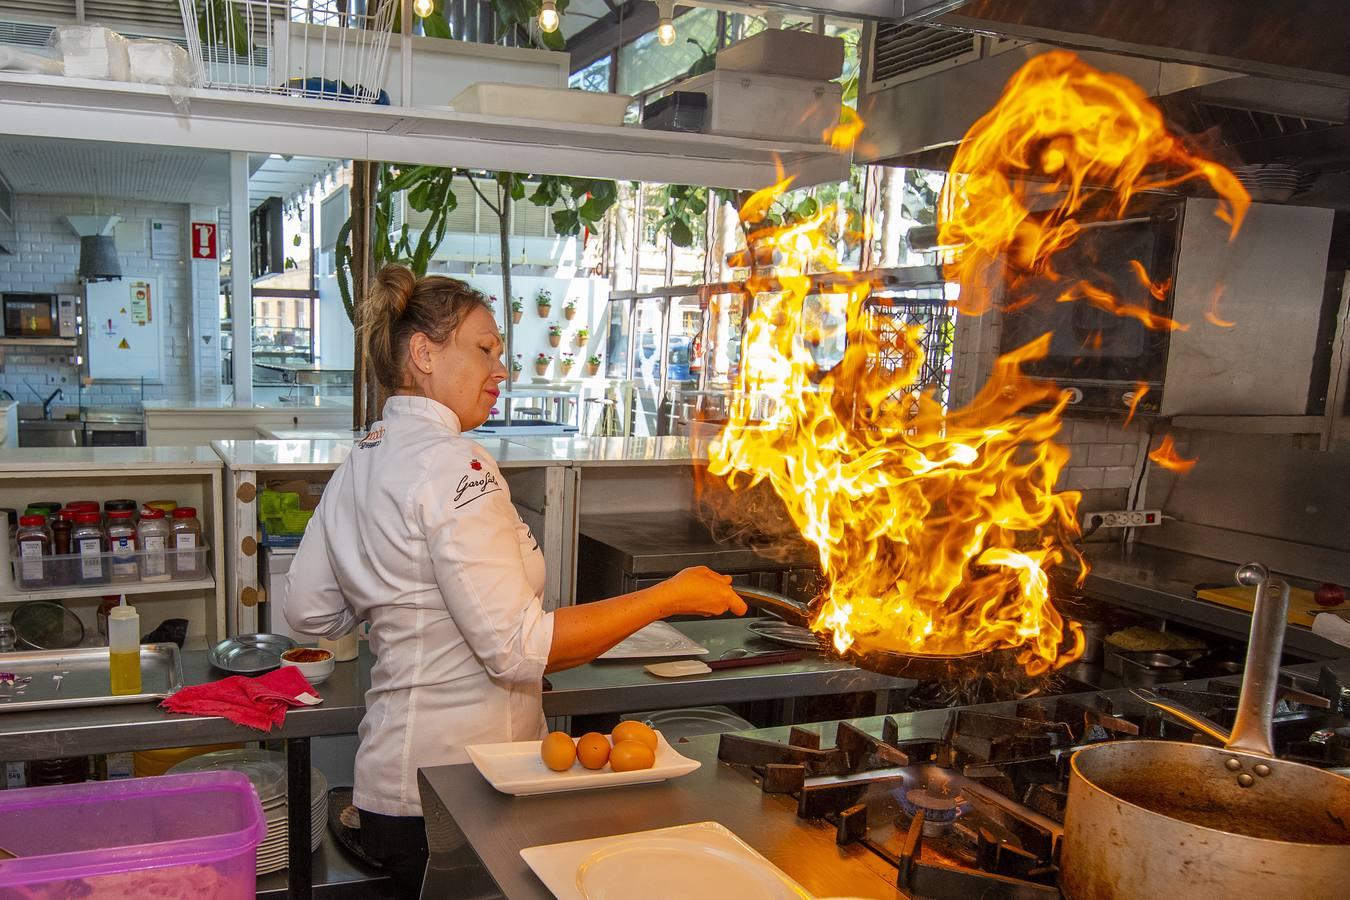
point(416, 535)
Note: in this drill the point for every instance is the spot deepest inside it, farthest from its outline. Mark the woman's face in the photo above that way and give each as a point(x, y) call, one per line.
point(465, 372)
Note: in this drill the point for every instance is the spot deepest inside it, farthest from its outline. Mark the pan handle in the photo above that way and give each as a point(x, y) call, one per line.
point(1253, 728)
point(1185, 714)
point(792, 611)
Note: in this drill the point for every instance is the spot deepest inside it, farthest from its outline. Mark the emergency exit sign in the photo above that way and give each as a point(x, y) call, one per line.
point(203, 240)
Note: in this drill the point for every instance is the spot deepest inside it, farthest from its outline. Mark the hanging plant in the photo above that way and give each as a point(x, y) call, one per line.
point(592, 365)
point(570, 309)
point(517, 310)
point(555, 335)
point(567, 361)
point(583, 335)
point(541, 363)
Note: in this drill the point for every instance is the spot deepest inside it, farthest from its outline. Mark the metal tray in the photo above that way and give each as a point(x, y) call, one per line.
point(250, 654)
point(80, 677)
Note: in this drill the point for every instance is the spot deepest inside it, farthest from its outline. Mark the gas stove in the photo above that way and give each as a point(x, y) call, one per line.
point(977, 808)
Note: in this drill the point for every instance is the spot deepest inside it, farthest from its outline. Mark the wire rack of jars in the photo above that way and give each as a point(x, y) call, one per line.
point(84, 544)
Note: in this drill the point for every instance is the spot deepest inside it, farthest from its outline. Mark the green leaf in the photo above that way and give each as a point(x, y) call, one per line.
point(566, 222)
point(680, 234)
point(295, 241)
point(512, 183)
point(435, 26)
point(807, 208)
point(419, 196)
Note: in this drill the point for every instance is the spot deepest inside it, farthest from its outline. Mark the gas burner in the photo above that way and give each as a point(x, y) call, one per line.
point(939, 810)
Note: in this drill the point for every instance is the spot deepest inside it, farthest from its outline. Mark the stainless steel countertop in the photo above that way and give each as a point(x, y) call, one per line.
point(495, 827)
point(1162, 582)
point(616, 686)
point(46, 734)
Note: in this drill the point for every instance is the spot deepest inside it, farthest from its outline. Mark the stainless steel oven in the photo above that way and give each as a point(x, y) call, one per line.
point(34, 315)
point(1100, 357)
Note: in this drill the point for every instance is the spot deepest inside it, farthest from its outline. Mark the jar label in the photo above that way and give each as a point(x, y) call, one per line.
point(31, 554)
point(154, 562)
point(91, 559)
point(124, 556)
point(186, 540)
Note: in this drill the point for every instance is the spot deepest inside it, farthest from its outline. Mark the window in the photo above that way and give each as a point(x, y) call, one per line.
point(594, 77)
point(645, 64)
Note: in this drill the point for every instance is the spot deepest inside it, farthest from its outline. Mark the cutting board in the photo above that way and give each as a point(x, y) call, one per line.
point(1302, 607)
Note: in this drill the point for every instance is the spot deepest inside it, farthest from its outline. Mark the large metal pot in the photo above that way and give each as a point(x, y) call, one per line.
point(1154, 819)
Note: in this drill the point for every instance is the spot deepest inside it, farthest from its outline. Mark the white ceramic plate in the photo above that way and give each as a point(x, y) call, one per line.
point(703, 860)
point(658, 639)
point(515, 768)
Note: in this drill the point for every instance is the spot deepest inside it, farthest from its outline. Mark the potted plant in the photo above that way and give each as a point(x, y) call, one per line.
point(583, 335)
point(517, 310)
point(516, 367)
point(541, 364)
point(543, 302)
point(566, 361)
point(570, 309)
point(592, 365)
point(492, 303)
point(554, 335)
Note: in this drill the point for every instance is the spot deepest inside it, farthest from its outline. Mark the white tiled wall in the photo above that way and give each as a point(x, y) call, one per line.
point(46, 259)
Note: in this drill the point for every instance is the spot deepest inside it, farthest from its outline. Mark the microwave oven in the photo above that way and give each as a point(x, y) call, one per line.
point(31, 315)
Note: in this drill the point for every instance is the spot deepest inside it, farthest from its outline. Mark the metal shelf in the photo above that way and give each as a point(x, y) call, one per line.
point(130, 588)
point(72, 343)
point(74, 108)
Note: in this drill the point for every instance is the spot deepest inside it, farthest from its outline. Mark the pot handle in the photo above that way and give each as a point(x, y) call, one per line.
point(792, 611)
point(1253, 728)
point(1185, 714)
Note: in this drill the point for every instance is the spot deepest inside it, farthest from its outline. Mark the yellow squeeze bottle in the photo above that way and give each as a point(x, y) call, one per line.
point(124, 648)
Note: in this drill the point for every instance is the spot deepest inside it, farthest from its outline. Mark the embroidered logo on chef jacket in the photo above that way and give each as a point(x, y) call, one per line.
point(475, 485)
point(374, 439)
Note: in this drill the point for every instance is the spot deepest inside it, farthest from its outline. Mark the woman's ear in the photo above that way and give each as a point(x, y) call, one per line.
point(419, 352)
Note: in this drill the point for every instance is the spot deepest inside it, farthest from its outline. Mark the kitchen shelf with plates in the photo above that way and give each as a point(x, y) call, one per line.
point(171, 476)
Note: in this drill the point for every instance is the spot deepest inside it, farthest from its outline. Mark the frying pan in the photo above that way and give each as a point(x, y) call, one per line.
point(919, 666)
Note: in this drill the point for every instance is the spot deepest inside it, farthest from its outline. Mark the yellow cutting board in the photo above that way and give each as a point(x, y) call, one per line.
point(1302, 607)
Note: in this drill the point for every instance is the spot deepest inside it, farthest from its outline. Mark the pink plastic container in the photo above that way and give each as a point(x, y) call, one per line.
point(192, 835)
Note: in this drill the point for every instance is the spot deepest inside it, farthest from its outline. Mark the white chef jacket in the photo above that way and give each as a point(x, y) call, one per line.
point(416, 534)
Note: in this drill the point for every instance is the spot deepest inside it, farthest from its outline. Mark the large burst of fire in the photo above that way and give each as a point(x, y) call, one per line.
point(937, 528)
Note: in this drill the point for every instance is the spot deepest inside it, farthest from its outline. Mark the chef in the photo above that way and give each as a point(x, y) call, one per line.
point(416, 535)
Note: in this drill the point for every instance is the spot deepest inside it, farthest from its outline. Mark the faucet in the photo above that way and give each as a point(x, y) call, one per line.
point(47, 404)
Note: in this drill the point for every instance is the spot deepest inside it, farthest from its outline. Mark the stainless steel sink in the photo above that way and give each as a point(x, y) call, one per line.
point(50, 433)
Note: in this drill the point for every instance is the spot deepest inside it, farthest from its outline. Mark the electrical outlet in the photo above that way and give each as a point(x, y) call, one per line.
point(1122, 518)
point(58, 379)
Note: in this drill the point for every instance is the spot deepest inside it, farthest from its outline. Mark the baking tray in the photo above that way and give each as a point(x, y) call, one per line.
point(250, 654)
point(80, 677)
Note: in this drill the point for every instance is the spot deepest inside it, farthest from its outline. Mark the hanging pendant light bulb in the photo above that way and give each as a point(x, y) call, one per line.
point(548, 16)
point(424, 8)
point(665, 27)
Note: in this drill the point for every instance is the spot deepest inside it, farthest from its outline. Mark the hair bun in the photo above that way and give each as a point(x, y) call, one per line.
point(394, 287)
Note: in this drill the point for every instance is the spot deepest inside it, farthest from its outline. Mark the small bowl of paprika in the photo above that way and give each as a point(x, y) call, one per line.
point(315, 664)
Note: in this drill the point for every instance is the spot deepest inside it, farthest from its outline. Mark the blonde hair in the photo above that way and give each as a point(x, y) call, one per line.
point(399, 306)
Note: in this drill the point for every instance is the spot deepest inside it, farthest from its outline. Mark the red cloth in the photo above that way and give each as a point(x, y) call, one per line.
point(259, 703)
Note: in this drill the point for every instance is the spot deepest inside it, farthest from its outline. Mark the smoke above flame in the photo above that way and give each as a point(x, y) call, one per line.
point(937, 528)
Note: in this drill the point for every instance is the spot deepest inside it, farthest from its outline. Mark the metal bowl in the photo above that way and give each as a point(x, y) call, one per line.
point(250, 654)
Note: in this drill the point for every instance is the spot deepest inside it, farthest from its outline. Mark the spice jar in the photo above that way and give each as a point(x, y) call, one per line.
point(89, 541)
point(35, 543)
point(186, 539)
point(153, 537)
point(12, 521)
point(63, 573)
point(112, 506)
point(122, 546)
point(165, 506)
point(48, 508)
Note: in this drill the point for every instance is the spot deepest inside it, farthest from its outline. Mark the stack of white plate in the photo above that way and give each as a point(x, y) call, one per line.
point(267, 771)
point(1269, 182)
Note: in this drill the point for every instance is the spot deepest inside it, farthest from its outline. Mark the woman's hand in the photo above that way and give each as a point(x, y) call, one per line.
point(698, 591)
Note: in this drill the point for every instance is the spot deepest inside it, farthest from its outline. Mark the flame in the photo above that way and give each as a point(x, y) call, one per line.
point(936, 528)
point(1166, 456)
point(1212, 313)
point(1065, 145)
point(844, 135)
point(1140, 390)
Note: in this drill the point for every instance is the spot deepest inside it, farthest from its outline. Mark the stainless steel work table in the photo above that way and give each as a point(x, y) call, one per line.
point(81, 731)
point(619, 686)
point(1162, 582)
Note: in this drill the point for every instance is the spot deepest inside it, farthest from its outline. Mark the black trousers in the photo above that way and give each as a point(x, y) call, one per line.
point(399, 843)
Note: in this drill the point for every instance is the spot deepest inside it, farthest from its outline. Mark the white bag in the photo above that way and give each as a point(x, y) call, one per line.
point(88, 51)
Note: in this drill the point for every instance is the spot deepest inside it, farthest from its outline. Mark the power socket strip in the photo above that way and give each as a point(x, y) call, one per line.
point(1122, 518)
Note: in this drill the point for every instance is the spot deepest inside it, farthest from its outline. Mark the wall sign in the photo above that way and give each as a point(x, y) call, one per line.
point(203, 240)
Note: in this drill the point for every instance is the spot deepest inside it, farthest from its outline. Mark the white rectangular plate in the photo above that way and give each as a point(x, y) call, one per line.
point(704, 859)
point(515, 768)
point(658, 639)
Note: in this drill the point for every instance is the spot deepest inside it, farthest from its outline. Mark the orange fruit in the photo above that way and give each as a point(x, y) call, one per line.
point(635, 731)
point(558, 751)
point(593, 750)
point(629, 756)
